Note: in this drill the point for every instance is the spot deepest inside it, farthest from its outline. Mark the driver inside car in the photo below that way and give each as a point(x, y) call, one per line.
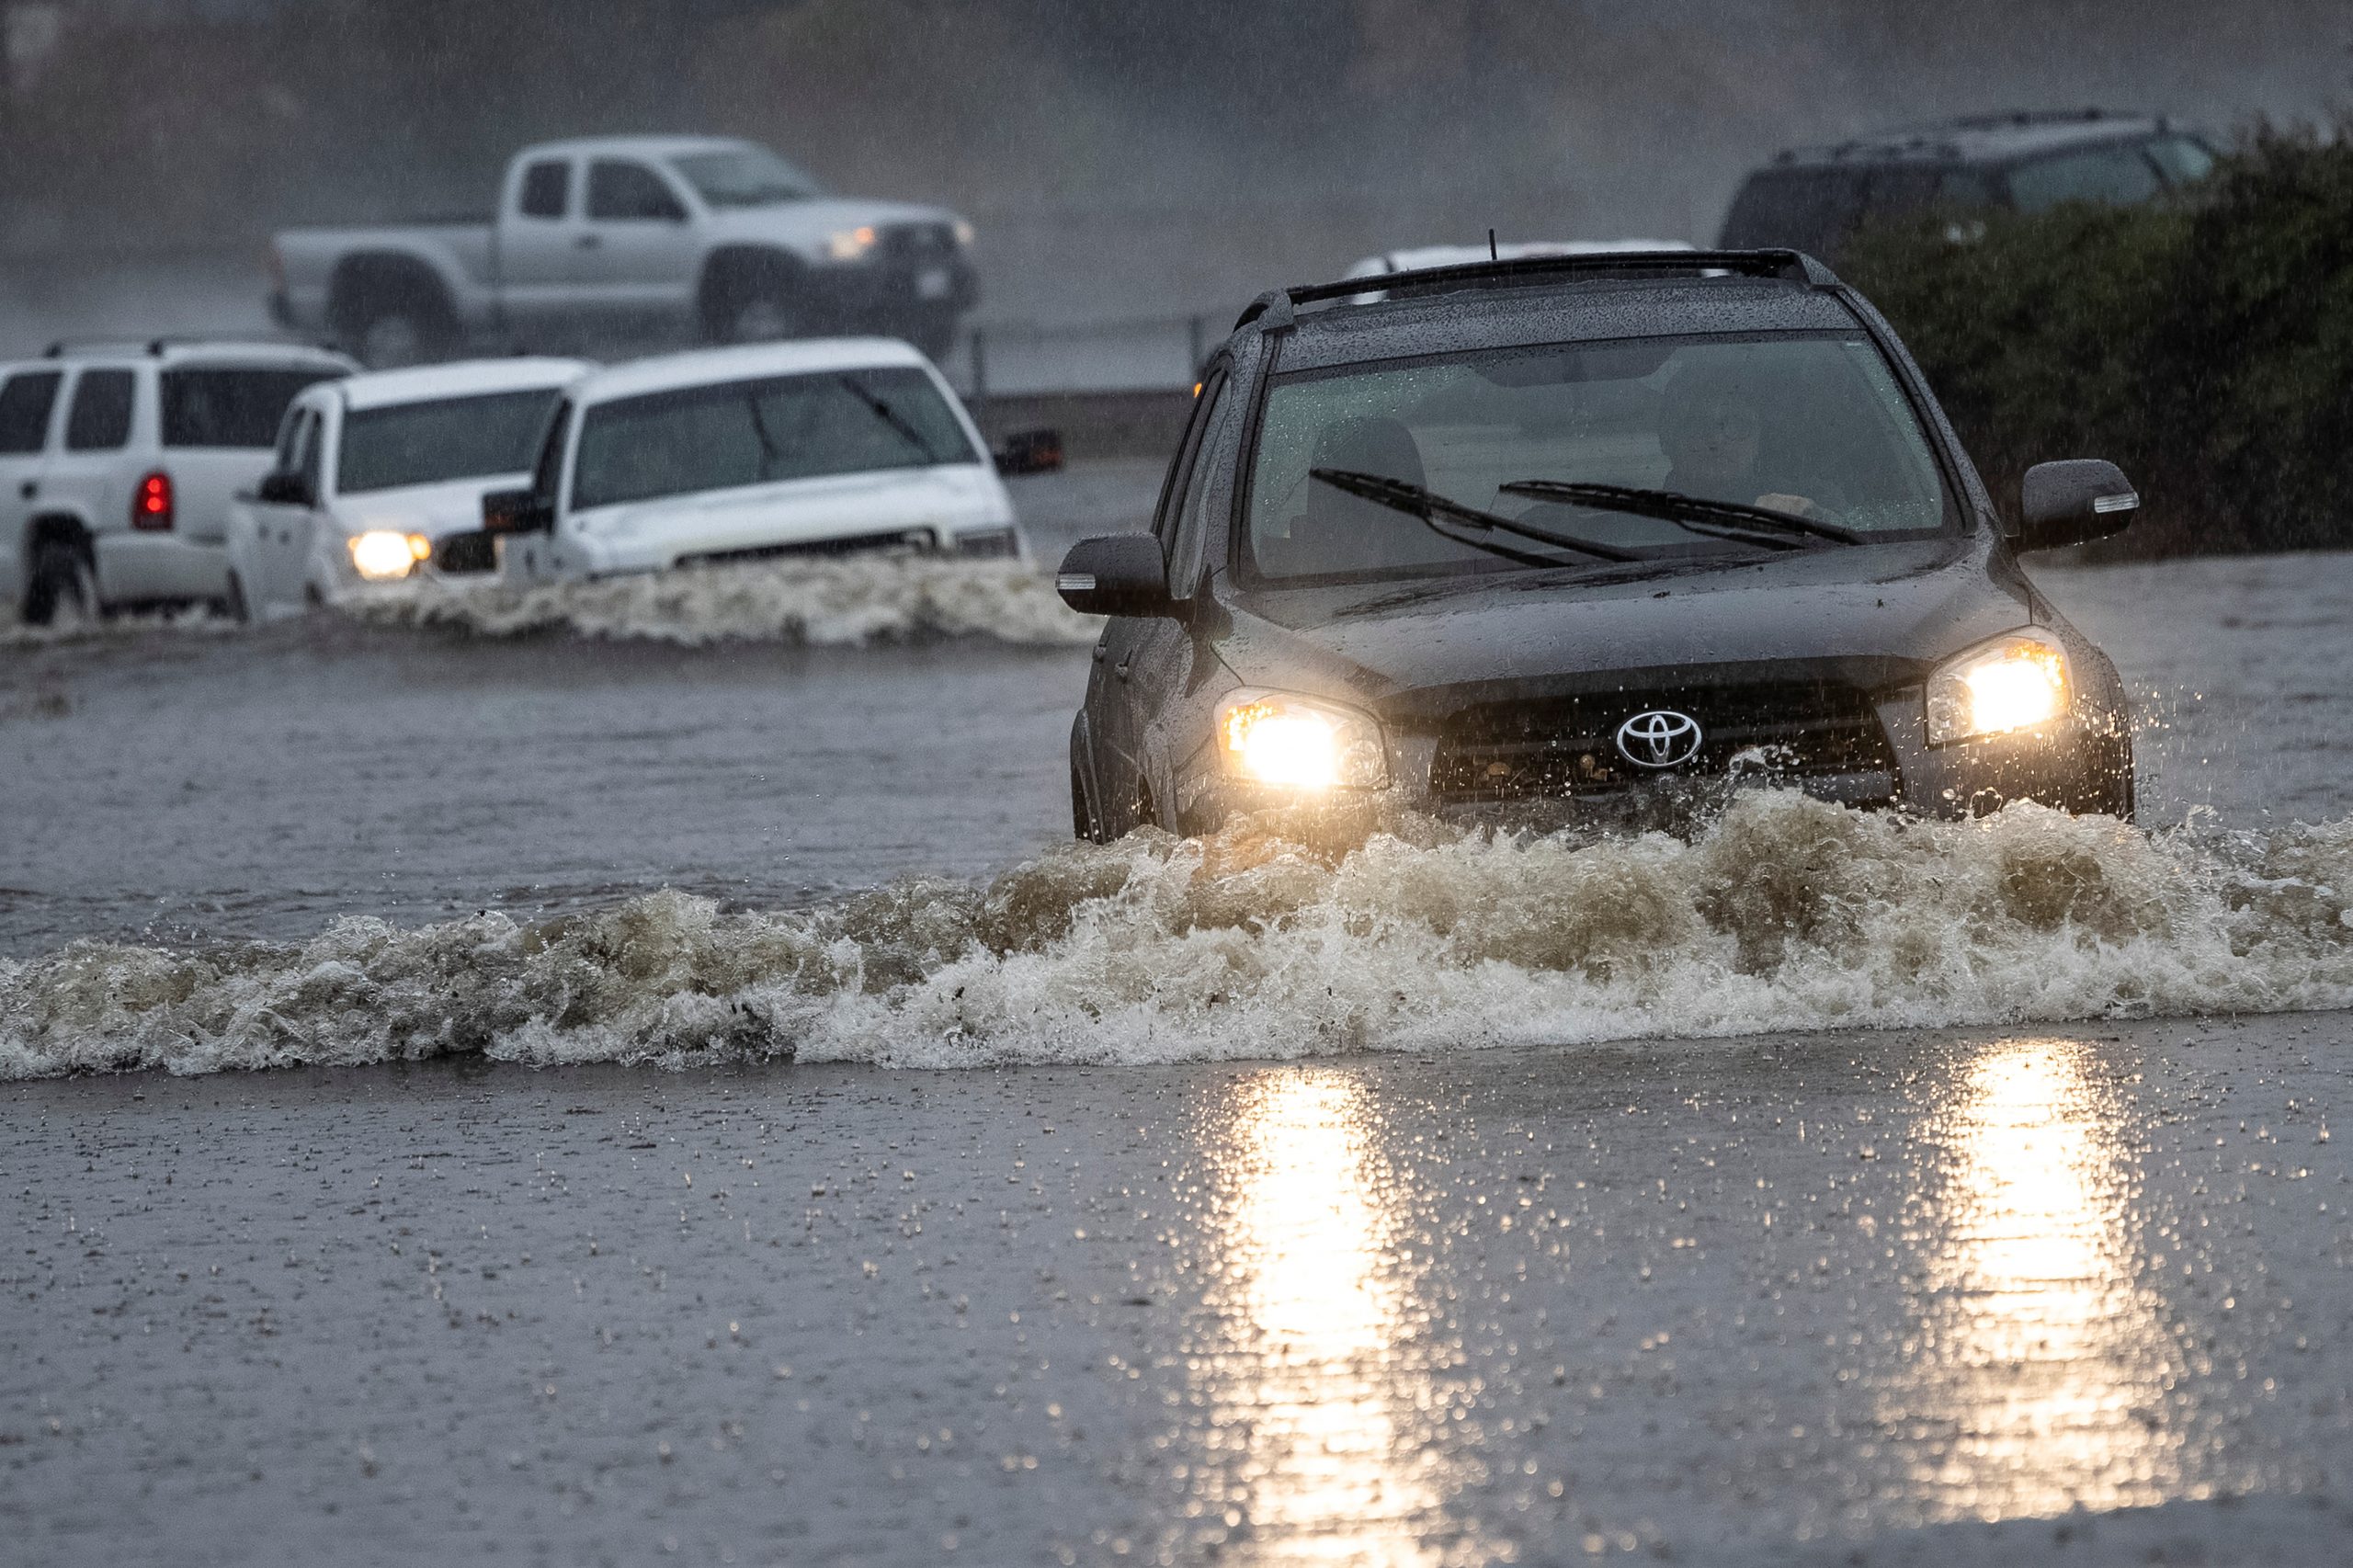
point(1714, 434)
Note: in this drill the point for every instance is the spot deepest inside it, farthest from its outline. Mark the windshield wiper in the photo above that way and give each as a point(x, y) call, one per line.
point(890, 417)
point(1428, 506)
point(1780, 531)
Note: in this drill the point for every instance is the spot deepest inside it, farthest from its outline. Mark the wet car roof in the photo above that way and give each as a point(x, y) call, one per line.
point(1475, 318)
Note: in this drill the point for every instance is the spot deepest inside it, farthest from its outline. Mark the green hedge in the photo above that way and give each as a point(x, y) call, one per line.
point(2206, 346)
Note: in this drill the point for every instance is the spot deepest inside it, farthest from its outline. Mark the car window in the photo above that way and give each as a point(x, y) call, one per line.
point(25, 405)
point(2117, 175)
point(1810, 425)
point(721, 437)
point(307, 465)
point(1808, 209)
point(1184, 548)
point(99, 420)
point(2184, 161)
point(629, 193)
point(547, 189)
point(230, 408)
point(448, 438)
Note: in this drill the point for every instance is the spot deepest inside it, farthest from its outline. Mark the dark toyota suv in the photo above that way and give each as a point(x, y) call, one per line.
point(1525, 538)
point(1813, 199)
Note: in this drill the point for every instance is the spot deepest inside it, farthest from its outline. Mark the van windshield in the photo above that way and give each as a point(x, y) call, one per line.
point(741, 433)
point(1813, 429)
point(448, 438)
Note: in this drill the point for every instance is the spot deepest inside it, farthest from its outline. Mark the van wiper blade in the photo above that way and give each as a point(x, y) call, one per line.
point(1430, 507)
point(889, 416)
point(1693, 512)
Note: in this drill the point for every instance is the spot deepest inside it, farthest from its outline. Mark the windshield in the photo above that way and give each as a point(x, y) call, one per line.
point(425, 443)
point(720, 437)
point(1812, 428)
point(744, 177)
point(229, 407)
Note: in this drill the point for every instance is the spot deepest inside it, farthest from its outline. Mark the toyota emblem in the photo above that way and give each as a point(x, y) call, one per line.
point(1660, 738)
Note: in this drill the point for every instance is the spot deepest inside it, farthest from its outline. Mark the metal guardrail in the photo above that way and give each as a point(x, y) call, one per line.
point(1126, 354)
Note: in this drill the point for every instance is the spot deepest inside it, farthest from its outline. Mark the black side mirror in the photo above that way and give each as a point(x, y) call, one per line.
point(284, 490)
point(516, 512)
point(1116, 575)
point(2073, 502)
point(1031, 451)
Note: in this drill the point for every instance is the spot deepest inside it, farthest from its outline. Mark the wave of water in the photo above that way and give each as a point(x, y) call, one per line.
point(856, 599)
point(1783, 913)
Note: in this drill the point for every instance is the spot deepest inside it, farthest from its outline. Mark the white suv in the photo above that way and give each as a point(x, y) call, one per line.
point(113, 456)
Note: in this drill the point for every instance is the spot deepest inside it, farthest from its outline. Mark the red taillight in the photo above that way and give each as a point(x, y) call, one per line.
point(151, 504)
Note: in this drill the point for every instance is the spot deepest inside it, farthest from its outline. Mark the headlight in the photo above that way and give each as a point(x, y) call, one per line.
point(850, 244)
point(380, 554)
point(965, 235)
point(2015, 682)
point(988, 544)
point(1273, 737)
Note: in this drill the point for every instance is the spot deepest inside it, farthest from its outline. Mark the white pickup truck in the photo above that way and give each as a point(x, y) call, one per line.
point(827, 448)
point(668, 237)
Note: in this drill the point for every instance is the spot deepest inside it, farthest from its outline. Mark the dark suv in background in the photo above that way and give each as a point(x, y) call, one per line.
point(1813, 199)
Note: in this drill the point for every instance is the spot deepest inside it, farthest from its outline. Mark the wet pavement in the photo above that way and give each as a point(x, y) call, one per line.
point(1838, 1299)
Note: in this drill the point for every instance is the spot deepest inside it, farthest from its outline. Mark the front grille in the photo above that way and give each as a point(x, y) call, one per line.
point(1512, 751)
point(918, 243)
point(461, 554)
point(855, 544)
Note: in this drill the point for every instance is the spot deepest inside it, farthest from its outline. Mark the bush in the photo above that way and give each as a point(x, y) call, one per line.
point(2206, 346)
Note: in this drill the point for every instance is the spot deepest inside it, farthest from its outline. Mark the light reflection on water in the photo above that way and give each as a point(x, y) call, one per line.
point(2043, 1374)
point(1328, 1400)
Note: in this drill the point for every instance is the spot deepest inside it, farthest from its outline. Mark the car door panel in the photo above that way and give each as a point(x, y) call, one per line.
point(640, 255)
point(28, 403)
point(540, 228)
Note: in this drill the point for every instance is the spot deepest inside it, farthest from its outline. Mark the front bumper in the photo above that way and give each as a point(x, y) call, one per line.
point(2082, 764)
point(893, 292)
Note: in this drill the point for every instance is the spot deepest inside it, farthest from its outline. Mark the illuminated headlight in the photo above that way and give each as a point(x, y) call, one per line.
point(988, 544)
point(965, 235)
point(1273, 737)
point(380, 554)
point(851, 244)
point(2015, 682)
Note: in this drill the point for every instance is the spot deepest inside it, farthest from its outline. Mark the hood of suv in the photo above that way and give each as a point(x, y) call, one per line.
point(1872, 616)
point(947, 500)
point(452, 507)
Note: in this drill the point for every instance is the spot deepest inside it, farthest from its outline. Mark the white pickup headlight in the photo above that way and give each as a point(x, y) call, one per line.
point(1275, 737)
point(2015, 682)
point(381, 556)
point(851, 244)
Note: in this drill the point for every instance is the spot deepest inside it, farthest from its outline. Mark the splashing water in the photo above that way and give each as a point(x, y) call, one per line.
point(825, 602)
point(1783, 913)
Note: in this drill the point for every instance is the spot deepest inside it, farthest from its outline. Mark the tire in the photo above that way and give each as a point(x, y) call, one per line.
point(756, 304)
point(62, 584)
point(392, 334)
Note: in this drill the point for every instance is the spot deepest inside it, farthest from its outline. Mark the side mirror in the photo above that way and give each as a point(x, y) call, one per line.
point(515, 512)
point(1031, 451)
point(284, 490)
point(2073, 502)
point(1116, 575)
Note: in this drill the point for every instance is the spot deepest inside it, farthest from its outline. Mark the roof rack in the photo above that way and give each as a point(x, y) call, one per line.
point(1274, 310)
point(153, 347)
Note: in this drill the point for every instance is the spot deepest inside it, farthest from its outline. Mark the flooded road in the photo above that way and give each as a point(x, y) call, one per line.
point(1863, 1297)
point(1121, 1282)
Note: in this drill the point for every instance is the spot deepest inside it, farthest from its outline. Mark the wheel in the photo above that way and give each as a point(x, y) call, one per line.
point(63, 589)
point(395, 335)
point(755, 301)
